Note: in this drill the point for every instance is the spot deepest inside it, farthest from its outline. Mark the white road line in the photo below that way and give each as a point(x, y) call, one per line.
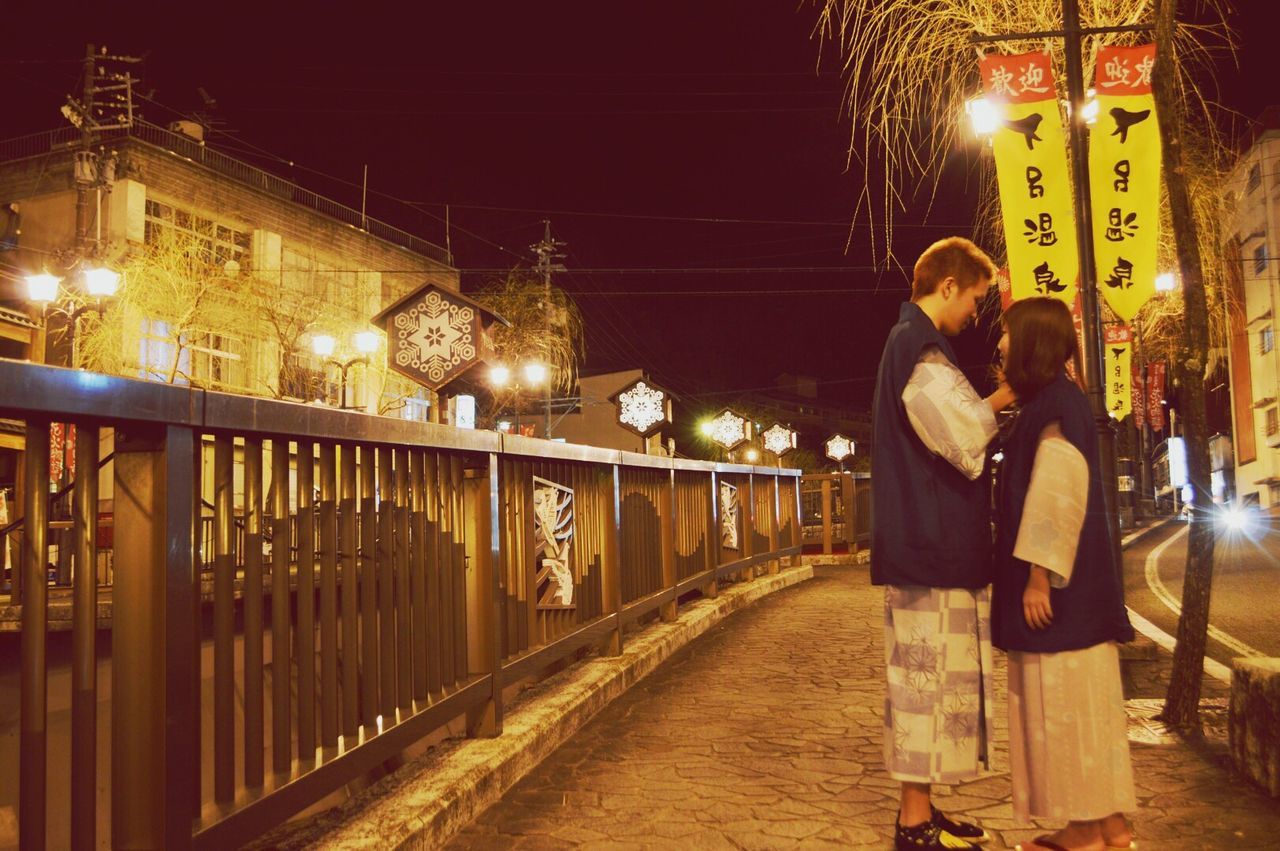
point(1163, 594)
point(1212, 667)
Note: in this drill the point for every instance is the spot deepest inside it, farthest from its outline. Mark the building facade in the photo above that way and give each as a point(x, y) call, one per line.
point(1253, 233)
point(284, 262)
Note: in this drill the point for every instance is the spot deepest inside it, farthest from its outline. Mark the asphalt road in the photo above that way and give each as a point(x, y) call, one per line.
point(1245, 602)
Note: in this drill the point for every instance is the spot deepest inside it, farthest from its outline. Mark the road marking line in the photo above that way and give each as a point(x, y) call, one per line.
point(1162, 593)
point(1212, 667)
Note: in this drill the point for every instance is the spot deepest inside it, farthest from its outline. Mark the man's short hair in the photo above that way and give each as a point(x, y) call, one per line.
point(953, 257)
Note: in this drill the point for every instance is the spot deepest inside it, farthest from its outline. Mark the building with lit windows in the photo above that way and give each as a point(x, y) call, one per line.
point(1253, 234)
point(319, 264)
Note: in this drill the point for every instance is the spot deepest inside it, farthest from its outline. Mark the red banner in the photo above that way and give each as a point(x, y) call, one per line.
point(57, 450)
point(1139, 398)
point(1155, 395)
point(1025, 78)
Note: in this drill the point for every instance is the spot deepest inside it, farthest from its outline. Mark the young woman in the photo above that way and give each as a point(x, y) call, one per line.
point(1057, 605)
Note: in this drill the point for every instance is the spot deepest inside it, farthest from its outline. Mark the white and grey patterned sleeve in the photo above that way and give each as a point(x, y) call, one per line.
point(1053, 513)
point(948, 415)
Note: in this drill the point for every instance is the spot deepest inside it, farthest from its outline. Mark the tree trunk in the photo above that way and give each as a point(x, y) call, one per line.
point(1182, 703)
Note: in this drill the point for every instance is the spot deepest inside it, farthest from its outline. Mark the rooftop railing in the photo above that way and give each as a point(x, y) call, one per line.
point(197, 151)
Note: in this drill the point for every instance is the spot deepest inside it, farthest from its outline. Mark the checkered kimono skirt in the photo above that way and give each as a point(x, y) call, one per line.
point(937, 650)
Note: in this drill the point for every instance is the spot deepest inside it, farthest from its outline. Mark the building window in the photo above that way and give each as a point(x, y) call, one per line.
point(221, 243)
point(1255, 177)
point(1273, 421)
point(1266, 340)
point(1260, 260)
point(417, 407)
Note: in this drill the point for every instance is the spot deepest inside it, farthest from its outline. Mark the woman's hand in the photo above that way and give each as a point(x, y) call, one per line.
point(1036, 607)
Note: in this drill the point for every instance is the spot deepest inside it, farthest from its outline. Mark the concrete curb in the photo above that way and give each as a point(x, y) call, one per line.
point(432, 798)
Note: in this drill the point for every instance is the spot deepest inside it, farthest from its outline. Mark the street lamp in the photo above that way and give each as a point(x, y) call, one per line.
point(324, 345)
point(500, 378)
point(99, 282)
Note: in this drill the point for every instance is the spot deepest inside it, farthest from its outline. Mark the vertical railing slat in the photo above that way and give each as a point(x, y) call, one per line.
point(305, 602)
point(281, 723)
point(254, 770)
point(386, 588)
point(347, 546)
point(224, 663)
point(328, 595)
point(32, 746)
point(84, 660)
point(404, 603)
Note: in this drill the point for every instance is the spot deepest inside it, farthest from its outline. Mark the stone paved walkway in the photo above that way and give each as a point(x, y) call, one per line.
point(765, 733)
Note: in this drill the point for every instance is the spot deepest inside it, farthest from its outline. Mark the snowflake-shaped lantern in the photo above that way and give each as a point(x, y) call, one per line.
point(728, 429)
point(434, 335)
point(643, 407)
point(779, 439)
point(839, 447)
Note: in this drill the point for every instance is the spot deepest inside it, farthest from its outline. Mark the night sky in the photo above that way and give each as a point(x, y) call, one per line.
point(655, 136)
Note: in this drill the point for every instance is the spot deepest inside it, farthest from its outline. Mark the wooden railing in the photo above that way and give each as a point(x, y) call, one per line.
point(414, 583)
point(836, 511)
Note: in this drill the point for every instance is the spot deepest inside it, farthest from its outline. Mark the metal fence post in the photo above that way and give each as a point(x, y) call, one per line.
point(668, 519)
point(152, 636)
point(486, 719)
point(611, 575)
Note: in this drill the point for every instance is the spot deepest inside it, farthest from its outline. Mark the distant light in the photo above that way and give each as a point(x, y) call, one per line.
point(499, 376)
point(1166, 282)
point(753, 455)
point(323, 345)
point(504, 426)
point(101, 282)
point(535, 373)
point(367, 341)
point(1090, 110)
point(779, 439)
point(839, 447)
point(983, 115)
point(464, 407)
point(1177, 462)
point(43, 288)
point(707, 427)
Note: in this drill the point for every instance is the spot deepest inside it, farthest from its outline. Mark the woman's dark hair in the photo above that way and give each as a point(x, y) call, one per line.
point(1042, 338)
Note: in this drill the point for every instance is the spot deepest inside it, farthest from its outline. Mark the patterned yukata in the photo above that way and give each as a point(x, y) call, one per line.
point(937, 641)
point(1068, 744)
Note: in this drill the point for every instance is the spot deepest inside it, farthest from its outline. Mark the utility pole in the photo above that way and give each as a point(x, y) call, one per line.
point(1077, 142)
point(548, 252)
point(94, 172)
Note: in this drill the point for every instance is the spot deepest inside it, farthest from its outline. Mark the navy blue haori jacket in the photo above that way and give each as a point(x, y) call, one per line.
point(1090, 610)
point(931, 526)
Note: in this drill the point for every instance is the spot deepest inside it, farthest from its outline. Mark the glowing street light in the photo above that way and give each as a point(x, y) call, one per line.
point(983, 115)
point(752, 455)
point(729, 429)
point(1166, 282)
point(43, 288)
point(642, 407)
point(839, 448)
point(535, 374)
point(779, 439)
point(532, 373)
point(365, 342)
point(101, 282)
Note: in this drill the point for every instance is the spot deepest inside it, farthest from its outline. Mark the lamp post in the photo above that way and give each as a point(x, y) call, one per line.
point(99, 282)
point(532, 374)
point(365, 342)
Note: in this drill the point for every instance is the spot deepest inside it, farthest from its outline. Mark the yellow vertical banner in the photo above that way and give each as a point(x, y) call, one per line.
point(1031, 168)
point(1124, 176)
point(1118, 341)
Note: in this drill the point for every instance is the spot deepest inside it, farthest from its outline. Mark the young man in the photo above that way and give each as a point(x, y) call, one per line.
point(931, 543)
